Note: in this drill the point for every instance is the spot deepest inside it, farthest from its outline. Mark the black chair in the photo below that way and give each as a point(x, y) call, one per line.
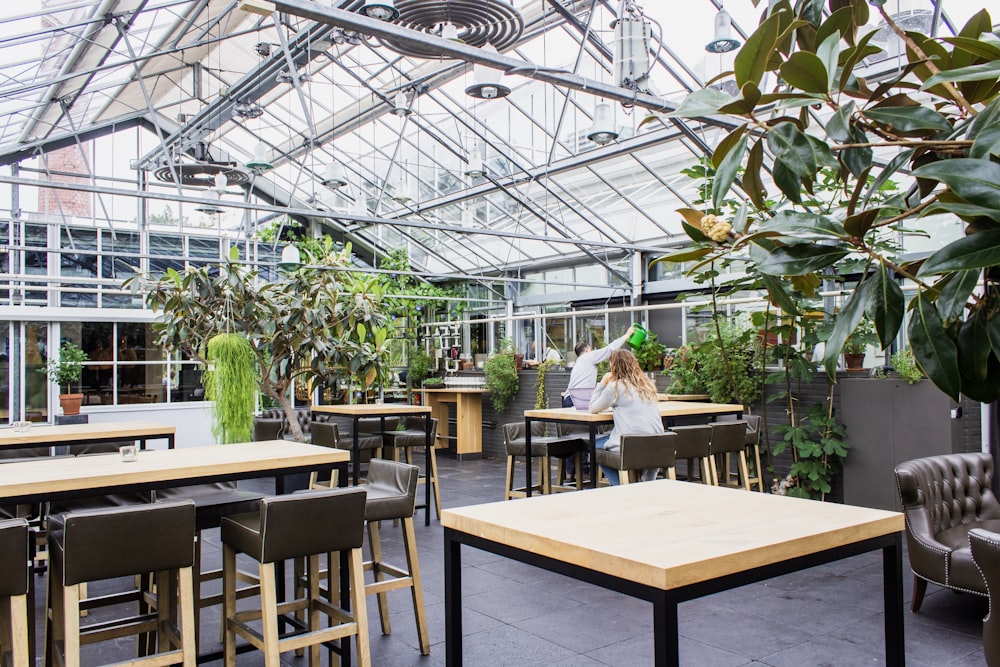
point(641, 452)
point(694, 443)
point(544, 448)
point(15, 575)
point(415, 435)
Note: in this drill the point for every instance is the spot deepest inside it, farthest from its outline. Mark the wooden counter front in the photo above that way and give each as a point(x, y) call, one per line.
point(468, 417)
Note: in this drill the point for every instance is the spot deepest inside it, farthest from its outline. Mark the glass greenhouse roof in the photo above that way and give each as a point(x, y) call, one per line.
point(137, 86)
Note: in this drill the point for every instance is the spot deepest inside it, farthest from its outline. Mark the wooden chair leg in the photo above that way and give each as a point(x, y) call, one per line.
point(71, 625)
point(744, 470)
point(760, 471)
point(269, 615)
point(670, 473)
point(436, 489)
point(545, 475)
point(417, 589)
point(164, 606)
point(382, 599)
point(312, 594)
point(17, 609)
point(359, 608)
point(713, 471)
point(919, 588)
point(508, 493)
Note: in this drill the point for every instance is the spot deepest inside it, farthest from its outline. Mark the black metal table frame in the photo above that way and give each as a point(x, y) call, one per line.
point(279, 489)
point(96, 440)
point(592, 428)
point(665, 602)
point(356, 451)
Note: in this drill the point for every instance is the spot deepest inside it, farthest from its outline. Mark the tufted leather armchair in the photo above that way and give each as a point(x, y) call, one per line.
point(302, 415)
point(986, 552)
point(944, 497)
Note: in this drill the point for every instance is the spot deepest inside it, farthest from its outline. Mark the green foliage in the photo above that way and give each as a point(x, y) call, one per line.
point(318, 321)
point(421, 365)
point(683, 368)
point(231, 382)
point(906, 366)
point(817, 442)
point(541, 392)
point(729, 364)
point(650, 353)
point(67, 368)
point(861, 338)
point(433, 383)
point(938, 120)
point(501, 376)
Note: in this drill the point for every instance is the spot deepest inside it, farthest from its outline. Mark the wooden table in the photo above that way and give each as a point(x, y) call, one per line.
point(683, 397)
point(468, 415)
point(81, 434)
point(669, 411)
point(668, 542)
point(383, 410)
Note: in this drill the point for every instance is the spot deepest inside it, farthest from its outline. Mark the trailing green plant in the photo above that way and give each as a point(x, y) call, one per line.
point(728, 364)
point(541, 391)
point(682, 367)
point(67, 368)
point(906, 366)
point(501, 375)
point(421, 366)
point(936, 119)
point(650, 353)
point(818, 447)
point(231, 381)
point(433, 383)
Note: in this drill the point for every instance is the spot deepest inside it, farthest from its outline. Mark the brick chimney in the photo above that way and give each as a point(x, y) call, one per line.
point(65, 202)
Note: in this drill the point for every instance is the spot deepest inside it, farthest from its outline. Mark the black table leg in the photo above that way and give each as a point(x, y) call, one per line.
point(665, 649)
point(427, 469)
point(452, 600)
point(892, 590)
point(356, 452)
point(527, 457)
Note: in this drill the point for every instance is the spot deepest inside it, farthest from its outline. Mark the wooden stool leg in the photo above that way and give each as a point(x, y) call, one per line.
point(229, 603)
point(382, 599)
point(312, 577)
point(269, 615)
point(510, 478)
point(578, 459)
point(358, 608)
point(164, 605)
point(187, 604)
point(417, 589)
point(744, 470)
point(17, 608)
point(71, 625)
point(299, 567)
point(760, 471)
point(545, 474)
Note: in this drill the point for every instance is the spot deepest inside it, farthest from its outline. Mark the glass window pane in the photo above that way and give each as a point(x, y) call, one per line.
point(165, 253)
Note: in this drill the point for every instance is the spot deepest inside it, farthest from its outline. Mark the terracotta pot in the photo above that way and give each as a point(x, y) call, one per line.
point(854, 362)
point(70, 403)
point(519, 361)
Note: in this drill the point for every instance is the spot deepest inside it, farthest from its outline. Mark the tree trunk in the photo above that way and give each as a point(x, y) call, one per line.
point(286, 406)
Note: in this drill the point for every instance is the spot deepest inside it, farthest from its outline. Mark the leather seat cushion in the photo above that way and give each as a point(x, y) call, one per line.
point(963, 572)
point(14, 557)
point(545, 446)
point(384, 504)
point(214, 501)
point(392, 490)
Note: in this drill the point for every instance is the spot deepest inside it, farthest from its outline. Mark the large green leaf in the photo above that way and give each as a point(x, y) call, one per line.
point(752, 183)
point(798, 259)
point(726, 173)
point(886, 305)
point(974, 347)
point(987, 143)
point(747, 102)
point(806, 72)
point(976, 251)
point(789, 184)
point(799, 223)
point(779, 295)
point(934, 351)
point(828, 52)
point(954, 291)
point(909, 119)
point(975, 47)
point(983, 72)
point(695, 233)
point(686, 255)
point(751, 60)
point(844, 324)
point(890, 169)
point(967, 211)
point(839, 23)
point(857, 225)
point(986, 119)
point(993, 331)
point(792, 149)
point(703, 102)
point(838, 127)
point(727, 143)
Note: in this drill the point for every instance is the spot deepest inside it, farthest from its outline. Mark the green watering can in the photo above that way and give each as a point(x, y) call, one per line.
point(637, 337)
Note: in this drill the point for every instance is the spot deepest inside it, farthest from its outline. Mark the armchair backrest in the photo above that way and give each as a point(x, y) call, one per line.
point(940, 492)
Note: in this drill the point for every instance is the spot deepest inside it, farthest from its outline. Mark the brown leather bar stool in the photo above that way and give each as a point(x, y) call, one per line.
point(325, 434)
point(752, 444)
point(695, 443)
point(301, 525)
point(412, 436)
point(544, 448)
point(654, 451)
point(392, 495)
point(729, 438)
point(14, 587)
point(92, 545)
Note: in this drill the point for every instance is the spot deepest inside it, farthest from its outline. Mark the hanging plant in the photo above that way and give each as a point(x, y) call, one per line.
point(231, 382)
point(541, 391)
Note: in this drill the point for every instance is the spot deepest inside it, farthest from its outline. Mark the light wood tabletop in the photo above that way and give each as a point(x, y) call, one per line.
point(372, 409)
point(683, 397)
point(667, 533)
point(73, 433)
point(41, 478)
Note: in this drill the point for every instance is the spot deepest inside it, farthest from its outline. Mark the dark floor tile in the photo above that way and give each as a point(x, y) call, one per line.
point(508, 645)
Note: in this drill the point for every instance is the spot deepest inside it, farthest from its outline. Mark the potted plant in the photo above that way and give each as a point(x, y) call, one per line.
point(421, 366)
point(650, 353)
point(501, 375)
point(857, 344)
point(64, 371)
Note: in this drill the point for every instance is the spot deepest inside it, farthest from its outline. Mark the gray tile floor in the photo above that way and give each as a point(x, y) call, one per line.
point(518, 615)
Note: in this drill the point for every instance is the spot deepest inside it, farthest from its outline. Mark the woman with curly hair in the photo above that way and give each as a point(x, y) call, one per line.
point(633, 396)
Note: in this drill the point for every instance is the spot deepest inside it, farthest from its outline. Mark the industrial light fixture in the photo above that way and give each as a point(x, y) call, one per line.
point(210, 208)
point(724, 41)
point(333, 175)
point(603, 130)
point(450, 31)
point(290, 258)
point(474, 169)
point(247, 109)
point(383, 10)
point(487, 85)
point(221, 182)
point(259, 162)
point(632, 38)
point(401, 105)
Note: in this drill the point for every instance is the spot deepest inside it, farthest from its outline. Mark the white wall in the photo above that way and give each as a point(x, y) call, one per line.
point(193, 421)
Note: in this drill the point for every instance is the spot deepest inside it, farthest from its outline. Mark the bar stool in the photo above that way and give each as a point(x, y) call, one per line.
point(729, 438)
point(92, 545)
point(301, 525)
point(392, 494)
point(15, 572)
point(415, 435)
point(695, 443)
point(752, 444)
point(654, 451)
point(324, 434)
point(544, 448)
